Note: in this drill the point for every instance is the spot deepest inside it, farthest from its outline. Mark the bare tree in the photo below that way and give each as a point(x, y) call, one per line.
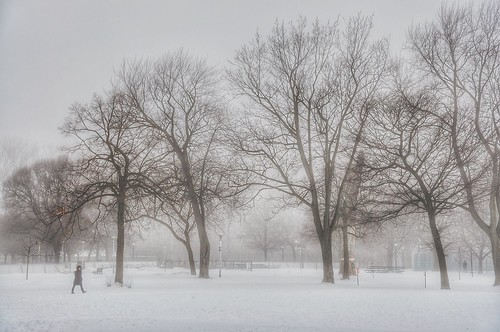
point(262, 232)
point(176, 97)
point(12, 230)
point(114, 160)
point(14, 154)
point(350, 216)
point(29, 246)
point(290, 229)
point(177, 216)
point(308, 95)
point(459, 53)
point(35, 194)
point(393, 234)
point(466, 238)
point(409, 148)
point(8, 243)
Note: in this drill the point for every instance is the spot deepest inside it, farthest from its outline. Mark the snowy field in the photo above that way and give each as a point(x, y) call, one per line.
point(261, 300)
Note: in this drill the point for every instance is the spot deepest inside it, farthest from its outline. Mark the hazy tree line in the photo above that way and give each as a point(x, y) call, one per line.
point(323, 114)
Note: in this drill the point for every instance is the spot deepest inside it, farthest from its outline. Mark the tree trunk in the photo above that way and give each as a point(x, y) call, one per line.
point(90, 250)
point(28, 263)
point(98, 252)
point(495, 253)
point(345, 243)
point(27, 267)
point(480, 259)
point(192, 265)
point(494, 227)
point(494, 237)
point(204, 251)
point(390, 255)
point(120, 247)
point(326, 255)
point(445, 283)
point(198, 217)
point(120, 239)
point(67, 254)
point(390, 249)
point(57, 246)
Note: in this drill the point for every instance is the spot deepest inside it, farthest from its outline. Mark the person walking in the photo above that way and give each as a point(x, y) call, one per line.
point(78, 280)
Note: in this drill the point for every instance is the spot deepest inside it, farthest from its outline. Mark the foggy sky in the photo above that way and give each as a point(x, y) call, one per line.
point(57, 52)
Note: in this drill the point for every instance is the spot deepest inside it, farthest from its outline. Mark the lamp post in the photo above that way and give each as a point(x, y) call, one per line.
point(403, 261)
point(471, 266)
point(459, 261)
point(228, 243)
point(396, 254)
point(133, 251)
point(39, 256)
point(83, 248)
point(113, 253)
point(241, 247)
point(63, 252)
point(220, 255)
point(300, 257)
point(282, 253)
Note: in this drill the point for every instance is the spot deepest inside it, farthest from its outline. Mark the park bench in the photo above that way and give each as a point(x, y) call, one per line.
point(383, 269)
point(241, 266)
point(259, 266)
point(98, 270)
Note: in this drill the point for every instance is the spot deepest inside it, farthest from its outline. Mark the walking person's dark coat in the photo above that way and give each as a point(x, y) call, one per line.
point(78, 280)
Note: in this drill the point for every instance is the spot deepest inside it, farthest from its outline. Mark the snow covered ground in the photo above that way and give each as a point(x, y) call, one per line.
point(283, 299)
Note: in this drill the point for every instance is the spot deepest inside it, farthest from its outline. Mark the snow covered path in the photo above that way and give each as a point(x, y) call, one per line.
point(262, 300)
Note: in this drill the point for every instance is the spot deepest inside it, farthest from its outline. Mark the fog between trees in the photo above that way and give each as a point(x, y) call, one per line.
point(321, 115)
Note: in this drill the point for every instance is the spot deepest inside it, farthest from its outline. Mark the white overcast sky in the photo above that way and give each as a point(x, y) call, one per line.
point(56, 52)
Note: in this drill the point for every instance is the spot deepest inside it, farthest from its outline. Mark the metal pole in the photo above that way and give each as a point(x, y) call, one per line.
point(459, 263)
point(300, 252)
point(220, 256)
point(471, 267)
point(83, 249)
point(113, 253)
point(396, 254)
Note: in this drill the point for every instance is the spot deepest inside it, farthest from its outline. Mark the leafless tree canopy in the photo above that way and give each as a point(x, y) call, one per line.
point(309, 90)
point(459, 53)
